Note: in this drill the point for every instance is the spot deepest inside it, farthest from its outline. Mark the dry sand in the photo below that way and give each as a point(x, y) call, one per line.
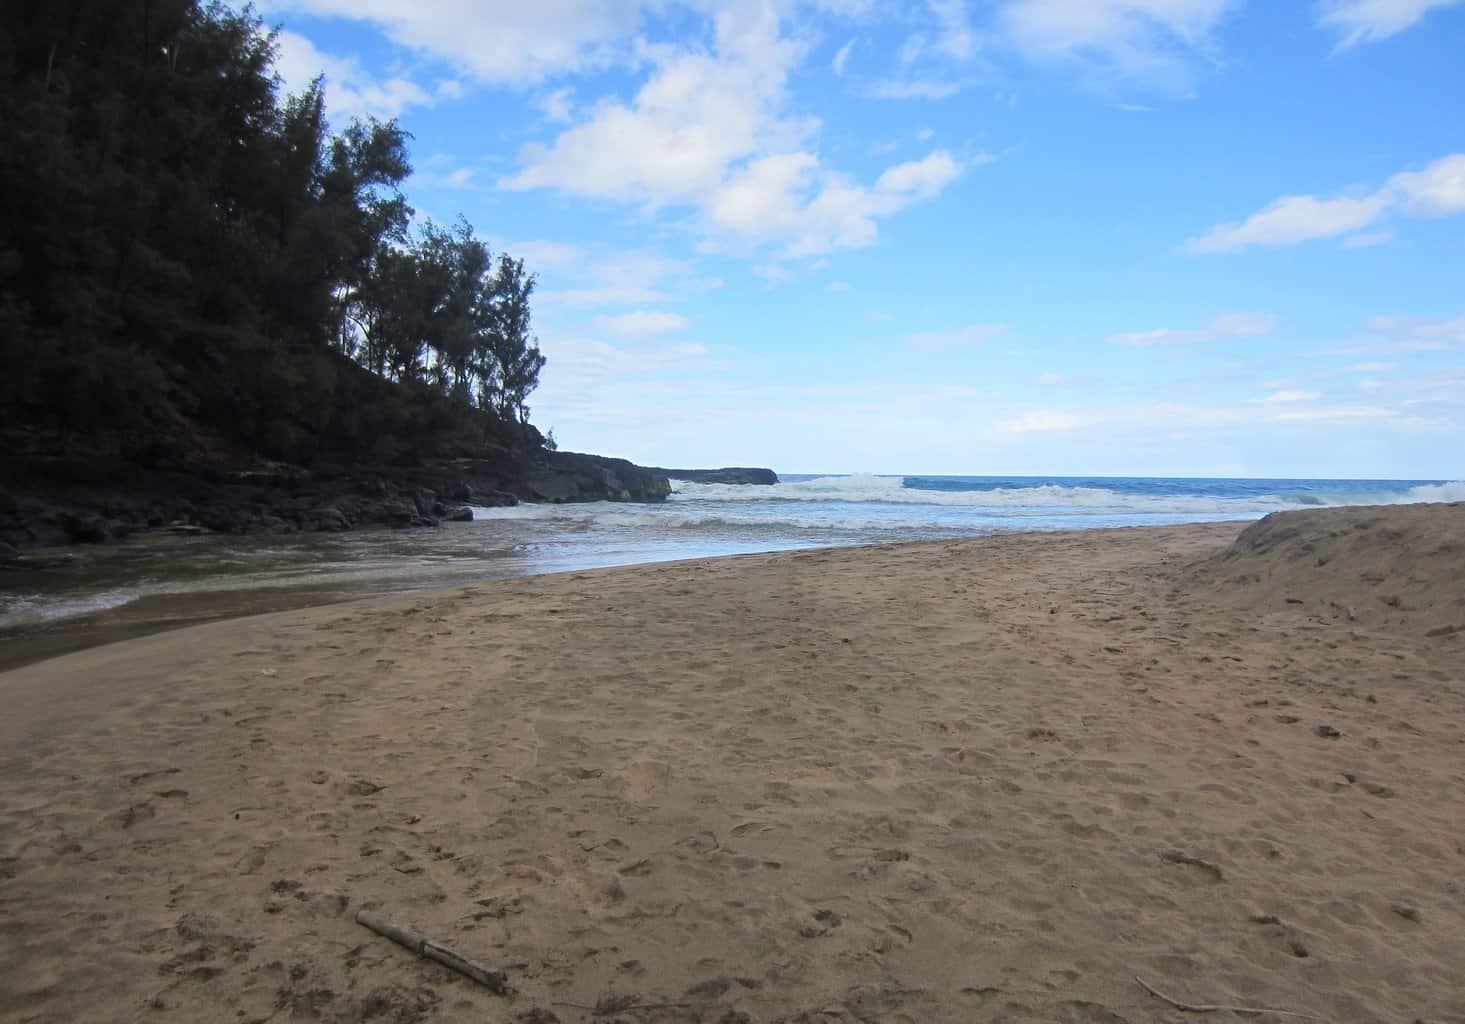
point(988, 780)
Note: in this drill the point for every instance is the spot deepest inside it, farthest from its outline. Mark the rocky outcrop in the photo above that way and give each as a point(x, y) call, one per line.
point(88, 501)
point(571, 476)
point(729, 475)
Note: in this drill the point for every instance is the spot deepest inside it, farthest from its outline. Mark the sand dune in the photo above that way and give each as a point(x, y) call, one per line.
point(989, 780)
point(1395, 568)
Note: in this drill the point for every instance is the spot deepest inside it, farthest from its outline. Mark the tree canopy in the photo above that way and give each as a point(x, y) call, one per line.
point(181, 241)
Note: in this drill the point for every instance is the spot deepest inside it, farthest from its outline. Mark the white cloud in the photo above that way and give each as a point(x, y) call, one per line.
point(497, 41)
point(350, 90)
point(965, 337)
point(1368, 21)
point(1436, 191)
point(710, 130)
point(642, 323)
point(841, 59)
point(558, 106)
point(1148, 41)
point(919, 179)
point(1227, 325)
point(694, 118)
point(765, 196)
point(1294, 219)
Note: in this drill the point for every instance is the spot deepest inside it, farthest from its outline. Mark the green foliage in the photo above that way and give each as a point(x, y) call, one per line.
point(178, 239)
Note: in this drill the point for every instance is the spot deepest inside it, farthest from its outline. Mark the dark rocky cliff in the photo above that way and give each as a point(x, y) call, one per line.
point(49, 500)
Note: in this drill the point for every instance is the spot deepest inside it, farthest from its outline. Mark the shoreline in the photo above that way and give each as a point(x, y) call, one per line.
point(938, 781)
point(149, 614)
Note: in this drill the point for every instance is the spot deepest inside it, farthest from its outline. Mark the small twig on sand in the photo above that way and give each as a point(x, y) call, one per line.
point(1209, 1008)
point(490, 978)
point(622, 1004)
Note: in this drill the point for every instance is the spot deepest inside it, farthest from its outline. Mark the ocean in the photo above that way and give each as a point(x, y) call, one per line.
point(214, 576)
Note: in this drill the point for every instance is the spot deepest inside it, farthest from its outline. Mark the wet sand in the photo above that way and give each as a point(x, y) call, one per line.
point(981, 780)
point(157, 614)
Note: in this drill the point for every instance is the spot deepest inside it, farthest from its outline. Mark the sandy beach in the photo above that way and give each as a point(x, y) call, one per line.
point(988, 780)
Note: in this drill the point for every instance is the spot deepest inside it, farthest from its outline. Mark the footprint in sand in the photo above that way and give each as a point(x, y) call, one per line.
point(646, 779)
point(824, 922)
point(752, 826)
point(134, 814)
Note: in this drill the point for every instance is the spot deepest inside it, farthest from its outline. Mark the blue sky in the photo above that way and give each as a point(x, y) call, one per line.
point(1109, 237)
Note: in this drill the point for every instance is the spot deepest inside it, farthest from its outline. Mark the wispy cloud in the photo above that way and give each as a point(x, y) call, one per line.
point(1227, 325)
point(498, 42)
point(1444, 329)
point(841, 59)
point(1146, 42)
point(613, 279)
point(642, 323)
point(1438, 190)
point(1369, 21)
point(350, 89)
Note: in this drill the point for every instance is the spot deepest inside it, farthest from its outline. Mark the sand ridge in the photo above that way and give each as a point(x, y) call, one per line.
point(987, 780)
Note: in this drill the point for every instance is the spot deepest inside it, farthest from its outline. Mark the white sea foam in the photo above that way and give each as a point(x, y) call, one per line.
point(1437, 492)
point(885, 505)
point(26, 610)
point(892, 490)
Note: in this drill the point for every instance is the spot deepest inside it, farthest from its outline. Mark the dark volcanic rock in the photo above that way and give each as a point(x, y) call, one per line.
point(88, 528)
point(325, 520)
point(495, 499)
point(571, 476)
point(728, 475)
point(396, 513)
point(56, 499)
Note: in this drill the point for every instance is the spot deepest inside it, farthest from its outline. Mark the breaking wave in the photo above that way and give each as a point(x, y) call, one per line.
point(1183, 497)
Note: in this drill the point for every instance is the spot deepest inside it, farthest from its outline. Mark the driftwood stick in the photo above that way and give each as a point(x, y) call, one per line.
point(490, 978)
point(1212, 1008)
